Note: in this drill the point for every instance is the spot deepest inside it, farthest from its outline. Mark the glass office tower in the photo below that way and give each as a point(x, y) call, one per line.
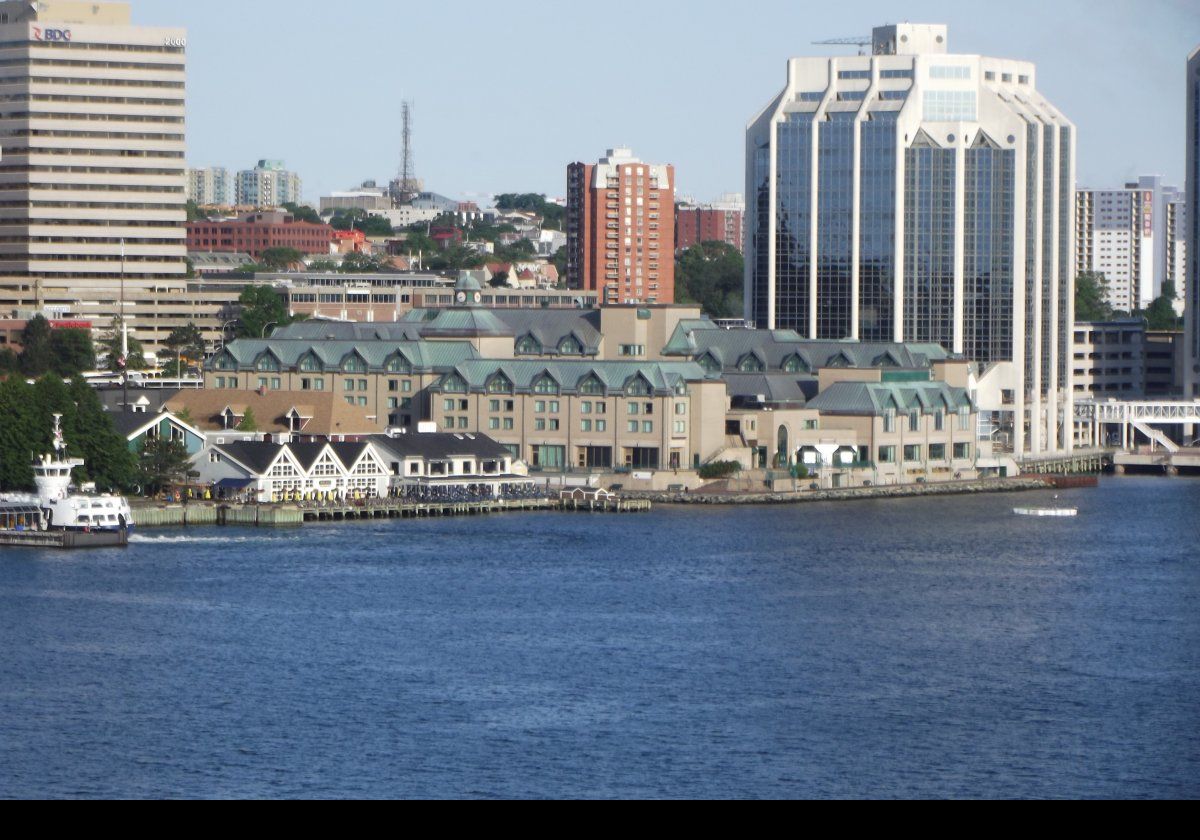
point(915, 195)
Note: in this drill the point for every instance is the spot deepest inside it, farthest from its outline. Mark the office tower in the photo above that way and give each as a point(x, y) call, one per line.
point(922, 196)
point(211, 185)
point(92, 175)
point(1191, 380)
point(267, 185)
point(621, 228)
point(1129, 236)
point(717, 221)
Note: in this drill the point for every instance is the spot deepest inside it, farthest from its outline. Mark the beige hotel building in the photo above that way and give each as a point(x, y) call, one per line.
point(92, 174)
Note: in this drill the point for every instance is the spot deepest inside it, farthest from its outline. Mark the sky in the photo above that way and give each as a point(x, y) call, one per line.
point(506, 94)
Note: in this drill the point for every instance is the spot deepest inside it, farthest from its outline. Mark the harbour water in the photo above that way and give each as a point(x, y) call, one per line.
point(911, 647)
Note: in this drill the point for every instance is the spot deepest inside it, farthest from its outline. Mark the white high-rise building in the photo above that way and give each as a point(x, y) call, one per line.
point(1131, 236)
point(1191, 373)
point(267, 185)
point(922, 196)
point(211, 185)
point(92, 174)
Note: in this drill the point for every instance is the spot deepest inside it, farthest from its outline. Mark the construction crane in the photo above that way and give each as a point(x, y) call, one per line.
point(857, 41)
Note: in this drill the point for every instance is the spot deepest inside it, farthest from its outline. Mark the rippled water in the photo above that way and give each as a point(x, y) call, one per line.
point(925, 647)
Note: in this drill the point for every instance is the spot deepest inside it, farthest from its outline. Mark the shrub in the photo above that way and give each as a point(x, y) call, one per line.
point(720, 469)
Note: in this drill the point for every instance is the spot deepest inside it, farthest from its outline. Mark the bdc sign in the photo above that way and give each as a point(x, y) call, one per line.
point(40, 34)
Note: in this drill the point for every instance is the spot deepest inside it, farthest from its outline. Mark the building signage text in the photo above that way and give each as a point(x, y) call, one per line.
point(41, 34)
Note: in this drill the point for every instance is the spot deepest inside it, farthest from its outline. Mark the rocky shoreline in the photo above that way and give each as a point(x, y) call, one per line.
point(948, 488)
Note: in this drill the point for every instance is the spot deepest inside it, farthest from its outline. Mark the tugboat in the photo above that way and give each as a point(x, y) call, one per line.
point(55, 517)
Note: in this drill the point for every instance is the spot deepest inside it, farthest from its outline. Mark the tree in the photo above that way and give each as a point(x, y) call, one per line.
point(36, 356)
point(111, 342)
point(194, 213)
point(162, 461)
point(302, 212)
point(277, 259)
point(261, 306)
point(1160, 314)
point(560, 263)
point(249, 422)
point(9, 360)
point(1090, 294)
point(185, 344)
point(93, 437)
point(71, 351)
point(710, 274)
point(358, 219)
point(20, 436)
point(552, 214)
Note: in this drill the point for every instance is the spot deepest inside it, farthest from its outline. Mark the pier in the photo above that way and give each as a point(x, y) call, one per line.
point(283, 515)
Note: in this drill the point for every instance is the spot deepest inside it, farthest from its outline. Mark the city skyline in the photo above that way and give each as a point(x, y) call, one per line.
point(700, 85)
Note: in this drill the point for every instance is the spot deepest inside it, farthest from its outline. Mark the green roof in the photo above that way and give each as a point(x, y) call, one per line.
point(876, 398)
point(662, 377)
point(245, 353)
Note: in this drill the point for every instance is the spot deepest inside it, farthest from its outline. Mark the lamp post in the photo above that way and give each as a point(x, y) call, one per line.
point(225, 326)
point(268, 324)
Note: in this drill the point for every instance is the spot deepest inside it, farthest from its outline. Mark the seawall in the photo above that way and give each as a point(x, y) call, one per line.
point(889, 491)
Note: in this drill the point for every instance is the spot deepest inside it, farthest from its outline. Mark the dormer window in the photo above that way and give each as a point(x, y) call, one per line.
point(638, 387)
point(499, 384)
point(397, 363)
point(267, 362)
point(527, 345)
point(570, 346)
point(454, 384)
point(310, 363)
point(710, 364)
point(354, 364)
point(750, 364)
point(794, 364)
point(591, 385)
point(224, 361)
point(545, 384)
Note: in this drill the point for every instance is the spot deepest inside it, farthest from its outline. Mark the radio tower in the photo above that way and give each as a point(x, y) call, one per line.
point(405, 186)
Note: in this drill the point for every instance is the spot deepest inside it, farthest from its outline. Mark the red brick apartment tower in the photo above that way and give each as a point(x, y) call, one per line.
point(720, 221)
point(621, 229)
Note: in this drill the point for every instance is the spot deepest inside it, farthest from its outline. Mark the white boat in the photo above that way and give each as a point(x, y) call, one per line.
point(1056, 511)
point(61, 510)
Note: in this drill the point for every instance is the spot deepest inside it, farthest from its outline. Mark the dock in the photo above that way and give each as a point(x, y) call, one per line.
point(285, 514)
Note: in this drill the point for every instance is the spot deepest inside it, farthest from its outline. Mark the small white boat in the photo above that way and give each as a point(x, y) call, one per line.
point(1056, 511)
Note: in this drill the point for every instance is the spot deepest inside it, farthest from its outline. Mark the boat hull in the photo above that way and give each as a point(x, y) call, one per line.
point(64, 539)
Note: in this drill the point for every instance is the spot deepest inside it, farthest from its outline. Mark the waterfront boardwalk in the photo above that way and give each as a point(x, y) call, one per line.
point(148, 515)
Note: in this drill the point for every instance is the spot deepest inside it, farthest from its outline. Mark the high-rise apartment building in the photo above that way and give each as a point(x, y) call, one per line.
point(621, 228)
point(717, 221)
point(92, 175)
point(1191, 373)
point(922, 196)
point(267, 185)
point(1130, 235)
point(211, 185)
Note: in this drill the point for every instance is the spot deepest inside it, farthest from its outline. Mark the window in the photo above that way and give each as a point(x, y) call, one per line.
point(939, 422)
point(914, 421)
point(585, 425)
point(912, 452)
point(680, 427)
point(964, 419)
point(633, 408)
point(937, 452)
point(949, 71)
point(962, 450)
point(539, 424)
point(447, 405)
point(680, 409)
point(544, 384)
point(348, 385)
point(601, 425)
point(889, 420)
point(647, 427)
point(632, 426)
point(585, 407)
point(508, 423)
point(553, 406)
point(631, 350)
point(591, 385)
point(493, 405)
point(554, 424)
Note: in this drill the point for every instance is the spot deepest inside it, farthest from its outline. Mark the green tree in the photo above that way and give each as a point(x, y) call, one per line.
point(710, 274)
point(552, 214)
point(162, 461)
point(303, 213)
point(1090, 292)
point(92, 436)
point(358, 219)
point(249, 422)
point(111, 343)
point(183, 346)
point(277, 259)
point(20, 436)
point(261, 306)
point(36, 354)
point(194, 213)
point(72, 351)
point(1160, 314)
point(560, 264)
point(9, 360)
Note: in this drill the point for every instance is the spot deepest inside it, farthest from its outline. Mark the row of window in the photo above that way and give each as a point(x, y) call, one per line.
point(912, 452)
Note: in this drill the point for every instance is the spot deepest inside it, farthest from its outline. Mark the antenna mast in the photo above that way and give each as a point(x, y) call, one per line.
point(405, 186)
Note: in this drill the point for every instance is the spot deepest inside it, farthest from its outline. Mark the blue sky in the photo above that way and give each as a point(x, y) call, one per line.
point(505, 94)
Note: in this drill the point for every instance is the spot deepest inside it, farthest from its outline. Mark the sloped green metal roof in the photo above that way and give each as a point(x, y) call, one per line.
point(421, 355)
point(661, 376)
point(875, 398)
